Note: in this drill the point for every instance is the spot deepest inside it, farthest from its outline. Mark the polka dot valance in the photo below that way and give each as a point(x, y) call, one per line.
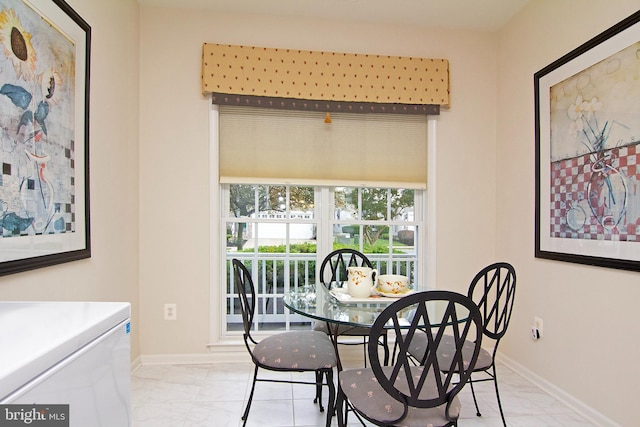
point(324, 76)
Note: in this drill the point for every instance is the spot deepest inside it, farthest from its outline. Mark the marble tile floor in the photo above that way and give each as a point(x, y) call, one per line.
point(214, 395)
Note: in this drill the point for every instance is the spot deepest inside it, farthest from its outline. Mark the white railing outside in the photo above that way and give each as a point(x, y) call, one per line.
point(276, 274)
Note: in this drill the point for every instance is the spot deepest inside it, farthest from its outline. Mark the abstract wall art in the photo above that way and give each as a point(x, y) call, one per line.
point(44, 137)
point(587, 154)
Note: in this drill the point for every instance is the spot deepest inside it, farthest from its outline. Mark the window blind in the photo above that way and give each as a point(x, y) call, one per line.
point(260, 145)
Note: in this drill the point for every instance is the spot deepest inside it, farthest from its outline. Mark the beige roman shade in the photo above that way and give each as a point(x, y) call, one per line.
point(325, 76)
point(263, 145)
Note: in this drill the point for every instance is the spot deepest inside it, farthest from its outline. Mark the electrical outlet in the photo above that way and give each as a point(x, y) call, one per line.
point(170, 312)
point(537, 322)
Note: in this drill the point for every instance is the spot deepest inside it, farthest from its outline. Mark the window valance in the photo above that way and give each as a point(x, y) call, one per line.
point(324, 76)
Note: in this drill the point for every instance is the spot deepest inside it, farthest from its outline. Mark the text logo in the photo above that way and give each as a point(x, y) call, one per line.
point(34, 415)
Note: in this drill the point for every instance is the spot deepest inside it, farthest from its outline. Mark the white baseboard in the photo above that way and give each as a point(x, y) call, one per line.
point(224, 354)
point(135, 364)
point(577, 405)
point(196, 358)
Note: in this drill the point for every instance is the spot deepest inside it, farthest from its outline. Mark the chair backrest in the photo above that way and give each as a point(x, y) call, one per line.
point(247, 297)
point(334, 266)
point(493, 290)
point(436, 315)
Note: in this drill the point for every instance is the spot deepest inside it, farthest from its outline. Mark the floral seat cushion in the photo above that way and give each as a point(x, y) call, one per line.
point(446, 350)
point(299, 350)
point(365, 393)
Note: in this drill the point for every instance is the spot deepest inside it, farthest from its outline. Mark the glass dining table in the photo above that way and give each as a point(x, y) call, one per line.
point(337, 308)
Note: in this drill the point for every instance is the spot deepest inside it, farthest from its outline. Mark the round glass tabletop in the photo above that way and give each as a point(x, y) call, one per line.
point(316, 302)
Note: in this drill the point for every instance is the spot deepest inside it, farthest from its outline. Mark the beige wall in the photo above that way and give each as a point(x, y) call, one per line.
point(490, 122)
point(112, 272)
point(174, 163)
point(592, 340)
point(591, 337)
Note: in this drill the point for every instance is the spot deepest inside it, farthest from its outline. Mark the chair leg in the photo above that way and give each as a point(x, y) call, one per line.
point(332, 396)
point(495, 382)
point(340, 412)
point(364, 350)
point(253, 387)
point(385, 346)
point(318, 399)
point(318, 381)
point(393, 355)
point(475, 401)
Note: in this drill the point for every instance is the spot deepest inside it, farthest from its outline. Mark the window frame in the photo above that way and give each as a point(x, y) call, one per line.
point(428, 232)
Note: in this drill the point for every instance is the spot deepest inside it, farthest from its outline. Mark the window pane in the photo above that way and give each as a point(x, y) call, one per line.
point(404, 239)
point(269, 237)
point(302, 201)
point(404, 252)
point(237, 235)
point(277, 199)
point(376, 237)
point(402, 204)
point(244, 200)
point(374, 203)
point(346, 203)
point(346, 236)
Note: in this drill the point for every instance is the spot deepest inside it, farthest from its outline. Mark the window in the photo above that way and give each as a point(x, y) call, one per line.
point(282, 222)
point(283, 232)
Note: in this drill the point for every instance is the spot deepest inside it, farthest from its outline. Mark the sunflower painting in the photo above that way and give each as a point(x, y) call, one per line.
point(39, 184)
point(36, 93)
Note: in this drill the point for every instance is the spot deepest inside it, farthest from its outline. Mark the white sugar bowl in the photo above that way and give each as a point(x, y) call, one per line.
point(393, 284)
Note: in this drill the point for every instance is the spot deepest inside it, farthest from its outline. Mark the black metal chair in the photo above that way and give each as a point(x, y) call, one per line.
point(406, 394)
point(333, 271)
point(493, 290)
point(299, 351)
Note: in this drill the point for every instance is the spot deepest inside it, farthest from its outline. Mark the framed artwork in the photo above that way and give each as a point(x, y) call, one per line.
point(44, 135)
point(587, 123)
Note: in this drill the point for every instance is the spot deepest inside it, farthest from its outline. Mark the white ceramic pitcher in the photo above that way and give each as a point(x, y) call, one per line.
point(361, 281)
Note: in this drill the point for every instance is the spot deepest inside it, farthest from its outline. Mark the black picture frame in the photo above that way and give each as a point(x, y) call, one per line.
point(587, 129)
point(44, 105)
